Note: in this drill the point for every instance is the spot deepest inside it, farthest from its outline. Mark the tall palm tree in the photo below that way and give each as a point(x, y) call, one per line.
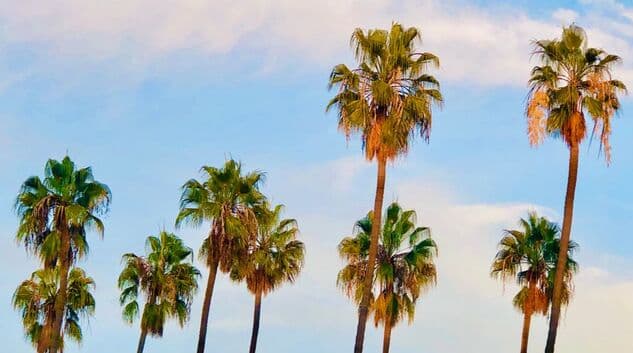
point(230, 200)
point(529, 256)
point(35, 298)
point(386, 99)
point(275, 256)
point(404, 266)
point(166, 281)
point(572, 80)
point(55, 214)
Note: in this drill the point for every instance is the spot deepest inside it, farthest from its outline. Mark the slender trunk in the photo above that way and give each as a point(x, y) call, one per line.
point(527, 316)
point(525, 335)
point(386, 339)
point(60, 299)
point(141, 341)
point(206, 306)
point(564, 246)
point(256, 316)
point(144, 323)
point(43, 343)
point(363, 310)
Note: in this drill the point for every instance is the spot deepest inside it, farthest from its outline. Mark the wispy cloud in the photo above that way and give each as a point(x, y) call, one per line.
point(478, 45)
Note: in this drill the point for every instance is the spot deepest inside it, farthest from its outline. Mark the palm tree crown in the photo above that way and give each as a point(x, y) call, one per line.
point(404, 267)
point(274, 257)
point(67, 200)
point(230, 200)
point(389, 95)
point(164, 277)
point(35, 299)
point(572, 80)
point(530, 256)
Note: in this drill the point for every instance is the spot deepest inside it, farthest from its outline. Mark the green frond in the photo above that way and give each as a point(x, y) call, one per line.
point(528, 256)
point(405, 264)
point(570, 82)
point(389, 95)
point(35, 300)
point(65, 202)
point(230, 200)
point(164, 278)
point(273, 256)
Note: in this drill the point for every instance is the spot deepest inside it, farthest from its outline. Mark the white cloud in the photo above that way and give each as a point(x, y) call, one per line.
point(601, 315)
point(480, 46)
point(565, 16)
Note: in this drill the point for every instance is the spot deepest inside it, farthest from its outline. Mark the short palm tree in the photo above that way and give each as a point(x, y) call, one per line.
point(275, 256)
point(230, 200)
point(165, 278)
point(387, 99)
point(529, 256)
point(55, 214)
point(572, 80)
point(404, 268)
point(35, 298)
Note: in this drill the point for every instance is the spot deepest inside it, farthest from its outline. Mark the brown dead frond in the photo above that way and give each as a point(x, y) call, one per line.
point(574, 129)
point(535, 113)
point(605, 95)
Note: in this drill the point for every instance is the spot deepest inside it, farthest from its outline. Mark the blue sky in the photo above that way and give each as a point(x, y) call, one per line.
point(147, 93)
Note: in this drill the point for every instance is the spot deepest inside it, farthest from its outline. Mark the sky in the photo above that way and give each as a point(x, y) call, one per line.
point(147, 92)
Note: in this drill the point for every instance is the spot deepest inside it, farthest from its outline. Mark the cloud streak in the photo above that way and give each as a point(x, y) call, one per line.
point(479, 46)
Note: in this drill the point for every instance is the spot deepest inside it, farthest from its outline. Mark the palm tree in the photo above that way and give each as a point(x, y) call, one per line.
point(35, 298)
point(572, 80)
point(403, 269)
point(273, 257)
point(529, 256)
point(55, 214)
point(229, 200)
point(386, 99)
point(167, 282)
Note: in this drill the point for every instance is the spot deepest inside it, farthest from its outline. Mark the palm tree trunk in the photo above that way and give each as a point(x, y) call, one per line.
point(43, 343)
point(206, 306)
point(386, 339)
point(564, 246)
point(256, 316)
point(60, 299)
point(363, 310)
point(525, 335)
point(146, 307)
point(141, 341)
point(527, 317)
